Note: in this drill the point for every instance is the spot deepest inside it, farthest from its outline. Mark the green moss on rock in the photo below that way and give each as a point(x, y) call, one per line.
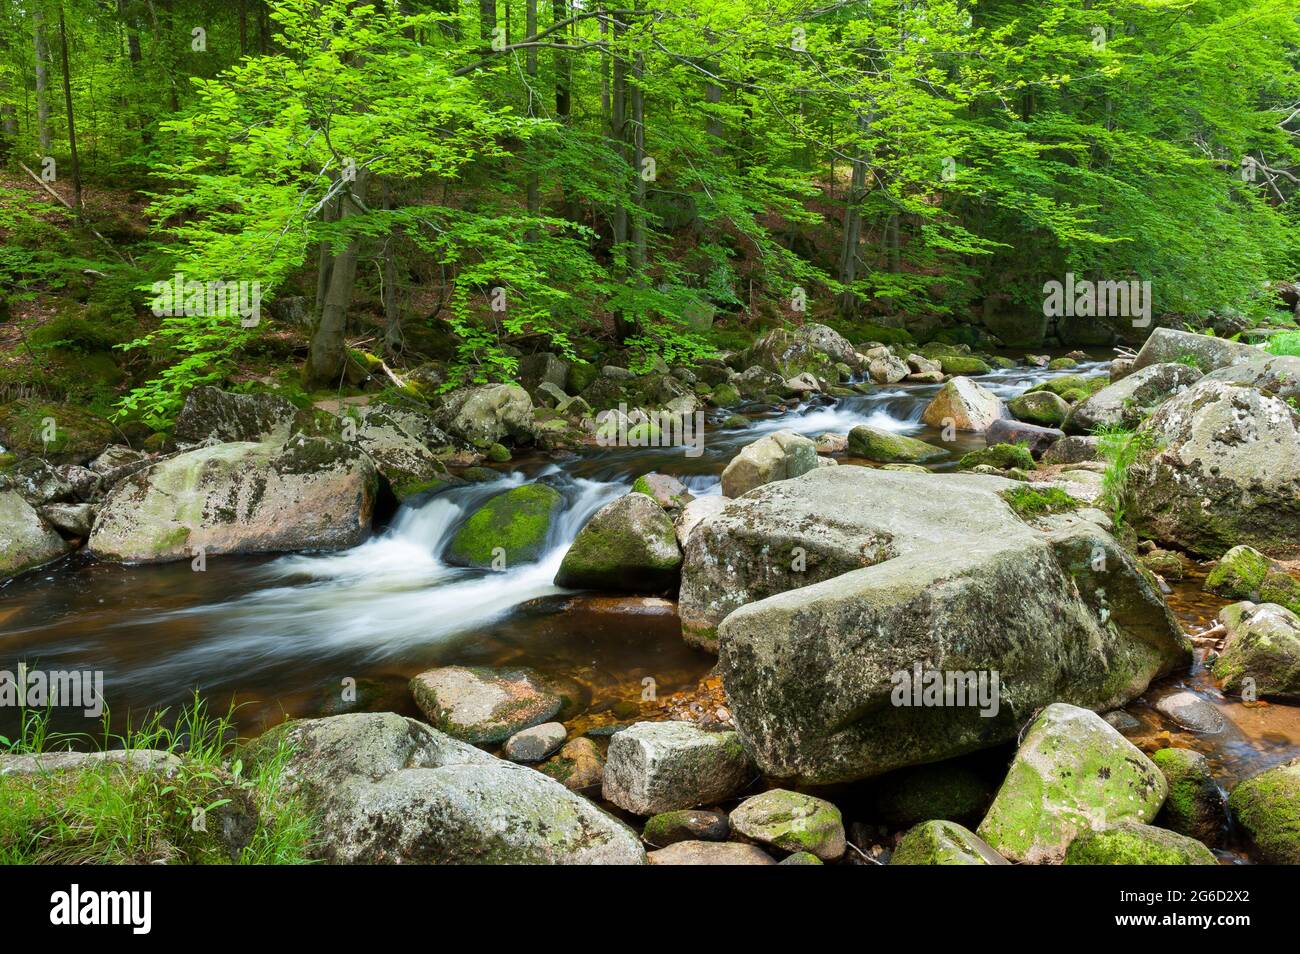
point(1001, 456)
point(1136, 844)
point(885, 447)
point(944, 843)
point(513, 525)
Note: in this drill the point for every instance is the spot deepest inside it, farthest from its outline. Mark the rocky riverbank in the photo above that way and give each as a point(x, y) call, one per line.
point(883, 608)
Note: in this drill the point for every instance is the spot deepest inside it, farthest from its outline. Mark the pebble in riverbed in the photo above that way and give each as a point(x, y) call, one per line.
point(1191, 712)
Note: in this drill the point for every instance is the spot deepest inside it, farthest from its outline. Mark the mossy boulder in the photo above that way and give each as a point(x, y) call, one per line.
point(1244, 573)
point(886, 447)
point(1135, 844)
point(812, 347)
point(724, 395)
point(1001, 456)
point(685, 824)
point(1261, 654)
point(1072, 773)
point(59, 433)
point(26, 540)
point(1039, 407)
point(1062, 364)
point(1195, 805)
point(939, 792)
point(513, 527)
point(963, 364)
point(212, 415)
point(665, 489)
point(629, 544)
point(944, 843)
point(481, 705)
point(1126, 402)
point(792, 822)
point(1267, 808)
point(1164, 563)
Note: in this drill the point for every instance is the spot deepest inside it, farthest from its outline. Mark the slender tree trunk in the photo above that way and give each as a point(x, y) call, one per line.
point(563, 69)
point(487, 18)
point(326, 354)
point(530, 70)
point(853, 227)
point(72, 124)
point(394, 342)
point(637, 131)
point(243, 27)
point(42, 81)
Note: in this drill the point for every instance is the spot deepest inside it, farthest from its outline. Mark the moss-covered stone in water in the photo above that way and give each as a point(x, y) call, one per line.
point(1039, 407)
point(1267, 807)
point(871, 443)
point(513, 525)
point(1239, 574)
point(1001, 456)
point(1164, 562)
point(963, 364)
point(792, 822)
point(1194, 806)
point(630, 544)
point(944, 843)
point(1062, 364)
point(1135, 844)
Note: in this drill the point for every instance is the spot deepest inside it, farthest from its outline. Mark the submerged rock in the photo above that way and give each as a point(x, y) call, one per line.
point(510, 529)
point(1224, 470)
point(655, 767)
point(952, 581)
point(1131, 843)
point(1246, 574)
point(944, 843)
point(1072, 773)
point(630, 544)
point(480, 705)
point(778, 456)
point(1191, 712)
point(309, 494)
point(790, 821)
point(1267, 807)
point(964, 406)
point(26, 540)
point(390, 790)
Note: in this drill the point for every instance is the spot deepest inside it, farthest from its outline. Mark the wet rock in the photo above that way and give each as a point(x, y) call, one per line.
point(536, 742)
point(1072, 773)
point(812, 347)
point(686, 824)
point(511, 529)
point(309, 494)
point(778, 456)
point(481, 705)
point(1039, 407)
point(26, 540)
point(940, 792)
point(1125, 403)
point(1278, 375)
point(1223, 470)
point(1037, 440)
point(1073, 450)
point(1195, 805)
point(1164, 563)
point(389, 790)
point(944, 843)
point(814, 697)
point(790, 821)
point(578, 766)
point(710, 853)
point(1267, 808)
point(1131, 843)
point(1122, 722)
point(999, 456)
point(488, 414)
point(75, 520)
point(630, 545)
point(405, 445)
point(1191, 712)
point(655, 767)
point(1261, 654)
point(963, 405)
point(886, 447)
point(887, 369)
point(211, 415)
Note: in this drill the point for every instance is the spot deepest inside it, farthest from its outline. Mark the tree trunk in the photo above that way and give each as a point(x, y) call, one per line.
point(563, 69)
point(487, 18)
point(853, 227)
point(326, 355)
point(533, 187)
point(72, 125)
point(42, 81)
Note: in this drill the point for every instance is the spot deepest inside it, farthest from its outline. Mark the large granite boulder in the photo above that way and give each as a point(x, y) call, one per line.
point(1126, 402)
point(1260, 658)
point(1267, 808)
point(405, 445)
point(813, 348)
point(1278, 375)
point(907, 571)
point(390, 790)
point(1223, 469)
point(211, 415)
point(488, 414)
point(1166, 345)
point(309, 494)
point(886, 447)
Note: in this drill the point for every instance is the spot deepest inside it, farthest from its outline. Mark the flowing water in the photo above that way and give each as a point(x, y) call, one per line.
point(280, 636)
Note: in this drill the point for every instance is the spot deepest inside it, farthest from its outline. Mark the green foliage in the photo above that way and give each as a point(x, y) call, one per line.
point(1286, 343)
point(105, 814)
point(1032, 502)
point(1120, 448)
